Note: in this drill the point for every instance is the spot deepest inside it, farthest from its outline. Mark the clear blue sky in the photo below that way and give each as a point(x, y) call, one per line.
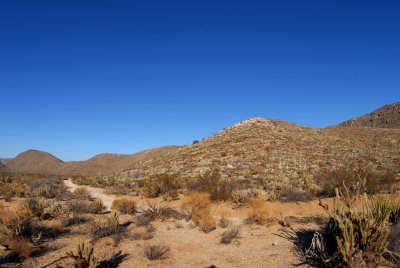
point(79, 78)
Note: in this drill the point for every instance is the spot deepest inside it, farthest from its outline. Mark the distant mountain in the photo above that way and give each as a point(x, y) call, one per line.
point(387, 116)
point(4, 160)
point(38, 162)
point(34, 161)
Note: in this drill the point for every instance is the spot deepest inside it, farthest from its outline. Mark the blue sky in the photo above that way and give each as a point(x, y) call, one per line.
point(79, 78)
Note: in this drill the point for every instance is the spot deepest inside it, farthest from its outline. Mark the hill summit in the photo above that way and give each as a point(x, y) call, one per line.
point(387, 116)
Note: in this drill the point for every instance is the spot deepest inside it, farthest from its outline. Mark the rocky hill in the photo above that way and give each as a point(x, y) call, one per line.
point(387, 116)
point(260, 147)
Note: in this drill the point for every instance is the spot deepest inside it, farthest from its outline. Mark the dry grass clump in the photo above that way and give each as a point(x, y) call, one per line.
point(242, 197)
point(157, 252)
point(257, 212)
point(125, 205)
point(19, 222)
point(146, 233)
point(85, 206)
point(295, 195)
point(10, 189)
point(20, 230)
point(108, 227)
point(200, 208)
point(230, 234)
point(82, 193)
point(224, 221)
point(157, 212)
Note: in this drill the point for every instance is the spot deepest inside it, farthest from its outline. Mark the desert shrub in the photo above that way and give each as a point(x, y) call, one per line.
point(83, 258)
point(125, 205)
point(230, 234)
point(20, 223)
point(393, 239)
point(73, 219)
point(20, 247)
point(357, 178)
point(156, 252)
point(164, 184)
point(353, 237)
point(13, 188)
point(37, 206)
point(292, 195)
point(153, 212)
point(85, 206)
point(82, 193)
point(224, 222)
point(243, 196)
point(199, 206)
point(146, 233)
point(108, 227)
point(257, 212)
point(212, 183)
point(118, 190)
point(46, 187)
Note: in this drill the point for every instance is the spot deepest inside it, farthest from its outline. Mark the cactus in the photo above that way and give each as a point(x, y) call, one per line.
point(84, 257)
point(361, 232)
point(113, 220)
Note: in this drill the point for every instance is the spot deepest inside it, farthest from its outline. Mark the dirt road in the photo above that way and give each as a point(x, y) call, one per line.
point(94, 192)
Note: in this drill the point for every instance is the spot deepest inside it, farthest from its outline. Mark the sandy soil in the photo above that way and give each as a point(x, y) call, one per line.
point(257, 245)
point(94, 192)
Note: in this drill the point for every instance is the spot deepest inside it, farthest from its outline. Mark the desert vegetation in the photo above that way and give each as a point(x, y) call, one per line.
point(358, 227)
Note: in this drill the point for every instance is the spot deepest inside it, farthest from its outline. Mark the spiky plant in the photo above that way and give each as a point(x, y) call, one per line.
point(84, 256)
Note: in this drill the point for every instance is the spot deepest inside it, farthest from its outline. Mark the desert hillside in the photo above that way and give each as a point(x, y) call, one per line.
point(252, 149)
point(260, 147)
point(387, 116)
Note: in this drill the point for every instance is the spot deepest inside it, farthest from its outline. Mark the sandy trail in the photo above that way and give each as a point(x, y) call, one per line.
point(94, 192)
